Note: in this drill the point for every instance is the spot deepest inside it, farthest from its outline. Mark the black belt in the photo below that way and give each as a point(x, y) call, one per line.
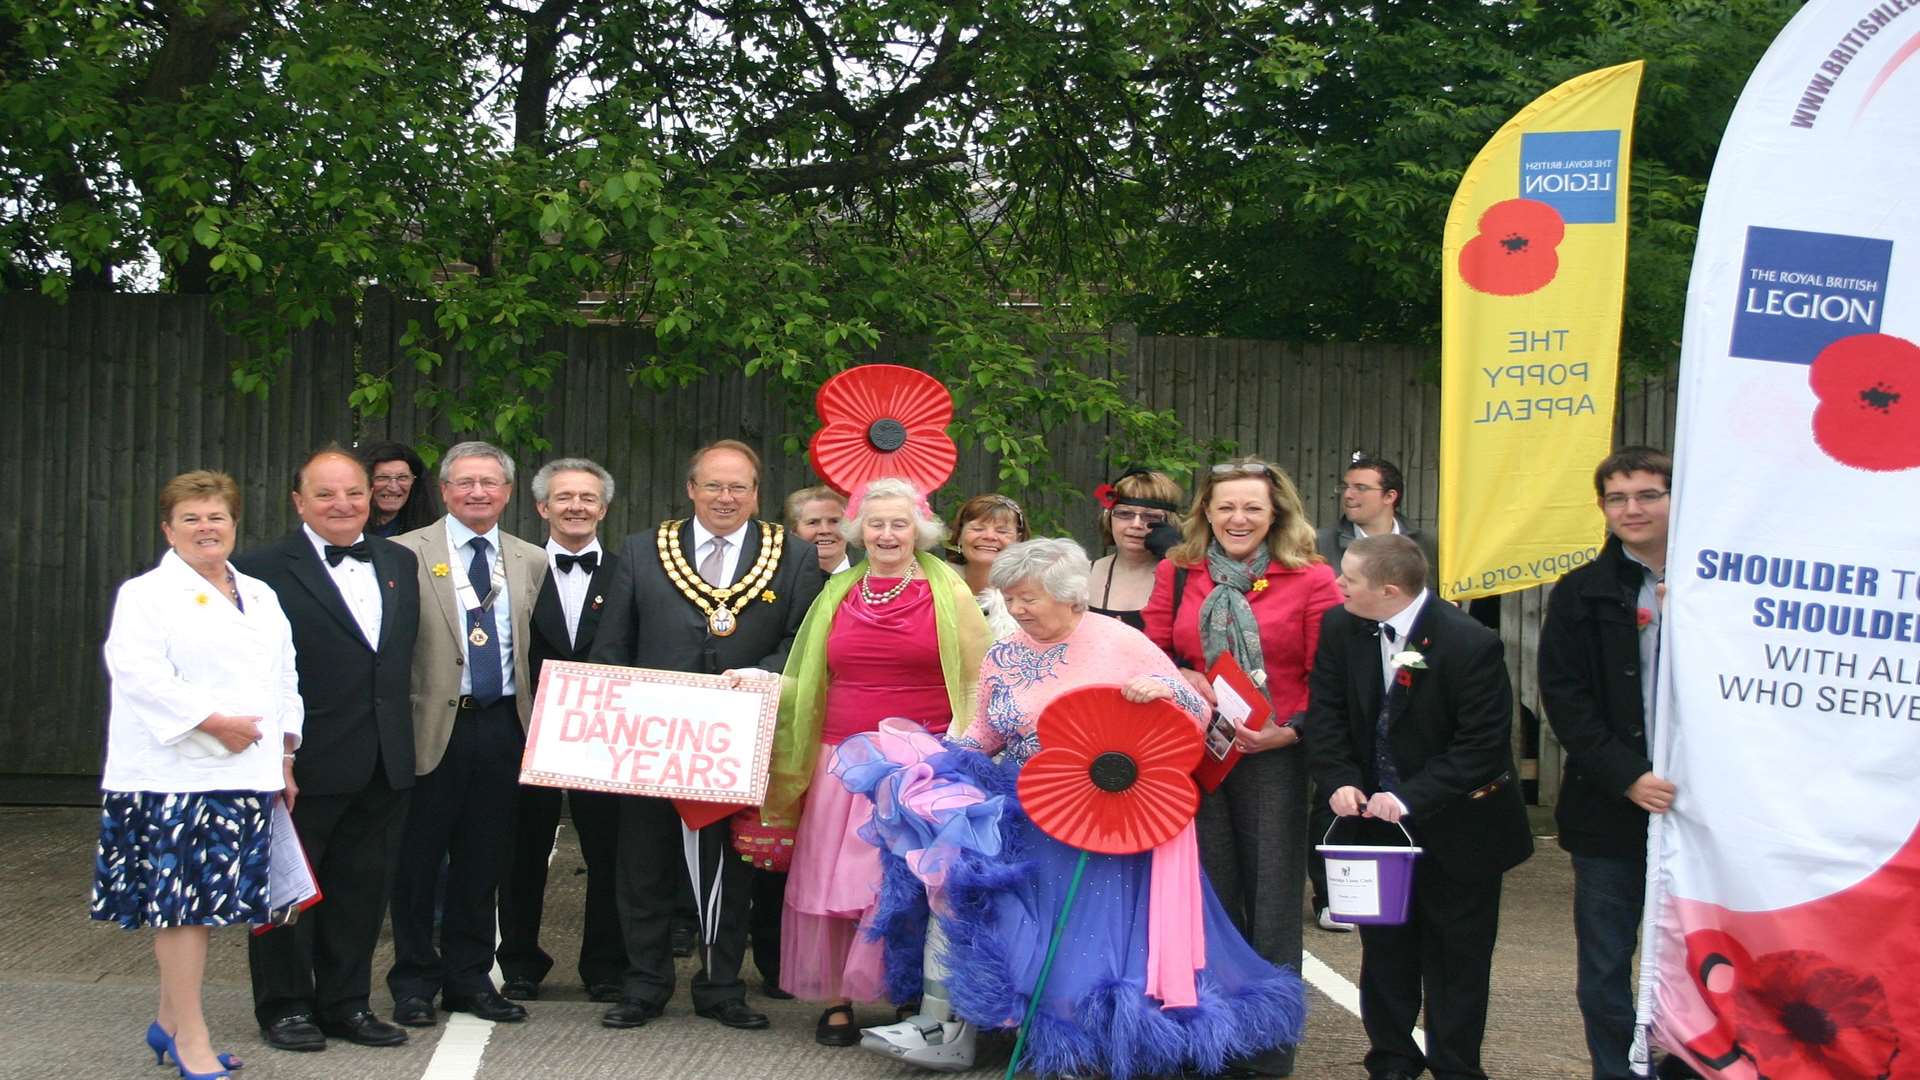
point(469, 704)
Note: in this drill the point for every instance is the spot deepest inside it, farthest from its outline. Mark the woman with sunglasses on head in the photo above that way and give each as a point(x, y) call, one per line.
point(1141, 503)
point(985, 526)
point(1246, 580)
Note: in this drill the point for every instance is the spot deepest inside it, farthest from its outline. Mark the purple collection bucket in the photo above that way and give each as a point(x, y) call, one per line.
point(1369, 886)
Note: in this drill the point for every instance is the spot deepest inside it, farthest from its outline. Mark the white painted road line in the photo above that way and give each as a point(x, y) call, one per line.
point(462, 1043)
point(1335, 986)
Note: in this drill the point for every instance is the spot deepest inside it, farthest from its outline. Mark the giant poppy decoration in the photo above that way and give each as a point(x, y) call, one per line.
point(1795, 1014)
point(883, 420)
point(1113, 776)
point(1869, 411)
point(1515, 252)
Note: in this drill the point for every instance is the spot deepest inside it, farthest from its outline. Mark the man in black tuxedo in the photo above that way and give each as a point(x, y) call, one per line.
point(355, 613)
point(663, 611)
point(1409, 723)
point(572, 496)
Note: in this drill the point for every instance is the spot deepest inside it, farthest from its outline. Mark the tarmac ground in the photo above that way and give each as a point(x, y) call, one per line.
point(77, 995)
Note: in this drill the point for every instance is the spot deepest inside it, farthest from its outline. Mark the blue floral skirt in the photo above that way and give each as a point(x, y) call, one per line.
point(195, 858)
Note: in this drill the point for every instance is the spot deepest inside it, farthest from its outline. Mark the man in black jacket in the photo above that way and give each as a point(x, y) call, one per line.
point(355, 611)
point(572, 495)
point(1599, 655)
point(721, 592)
point(1408, 724)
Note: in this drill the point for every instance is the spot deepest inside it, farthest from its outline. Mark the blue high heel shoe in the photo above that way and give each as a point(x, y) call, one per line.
point(161, 1044)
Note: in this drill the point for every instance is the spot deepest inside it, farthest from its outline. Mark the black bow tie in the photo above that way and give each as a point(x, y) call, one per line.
point(356, 550)
point(1389, 631)
point(589, 562)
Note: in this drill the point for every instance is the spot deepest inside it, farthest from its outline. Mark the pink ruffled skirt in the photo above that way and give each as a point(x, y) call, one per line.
point(825, 954)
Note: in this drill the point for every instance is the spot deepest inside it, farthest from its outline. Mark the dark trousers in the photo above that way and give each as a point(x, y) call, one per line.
point(1253, 846)
point(1608, 894)
point(322, 965)
point(1320, 818)
point(1444, 953)
point(596, 821)
point(769, 896)
point(652, 856)
point(462, 814)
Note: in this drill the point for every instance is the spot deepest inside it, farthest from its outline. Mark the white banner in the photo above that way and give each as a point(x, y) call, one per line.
point(1783, 938)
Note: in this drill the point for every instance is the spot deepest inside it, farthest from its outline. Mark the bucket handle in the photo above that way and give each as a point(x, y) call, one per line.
point(1337, 819)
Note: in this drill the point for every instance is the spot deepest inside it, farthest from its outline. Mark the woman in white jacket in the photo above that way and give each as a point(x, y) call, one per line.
point(204, 717)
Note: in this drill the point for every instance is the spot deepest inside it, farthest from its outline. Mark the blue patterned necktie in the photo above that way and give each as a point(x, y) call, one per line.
point(1383, 765)
point(483, 660)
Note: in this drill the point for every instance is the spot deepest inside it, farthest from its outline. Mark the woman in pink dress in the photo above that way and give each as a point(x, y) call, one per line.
point(897, 636)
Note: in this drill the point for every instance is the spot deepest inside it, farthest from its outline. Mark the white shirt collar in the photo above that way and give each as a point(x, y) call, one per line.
point(1403, 623)
point(1360, 533)
point(702, 535)
point(460, 535)
point(320, 543)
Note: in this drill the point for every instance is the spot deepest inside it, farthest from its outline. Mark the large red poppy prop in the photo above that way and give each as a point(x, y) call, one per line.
point(883, 420)
point(1113, 777)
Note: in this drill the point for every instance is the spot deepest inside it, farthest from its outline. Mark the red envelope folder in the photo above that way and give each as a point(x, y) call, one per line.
point(1220, 755)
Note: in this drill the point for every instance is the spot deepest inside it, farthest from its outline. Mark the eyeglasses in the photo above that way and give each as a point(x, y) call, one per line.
point(1126, 515)
point(1360, 489)
point(1246, 468)
point(477, 483)
point(401, 480)
point(1619, 500)
point(714, 491)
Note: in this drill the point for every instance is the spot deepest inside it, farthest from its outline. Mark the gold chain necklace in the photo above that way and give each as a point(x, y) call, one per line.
point(721, 604)
point(890, 595)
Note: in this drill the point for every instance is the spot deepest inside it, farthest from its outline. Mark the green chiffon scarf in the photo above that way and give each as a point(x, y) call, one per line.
point(803, 686)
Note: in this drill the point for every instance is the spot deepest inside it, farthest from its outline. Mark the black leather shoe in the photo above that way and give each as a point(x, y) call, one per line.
point(604, 993)
point(775, 992)
point(735, 1014)
point(830, 1034)
point(486, 1005)
point(364, 1029)
point(630, 1014)
point(296, 1032)
point(520, 989)
point(414, 1012)
point(684, 939)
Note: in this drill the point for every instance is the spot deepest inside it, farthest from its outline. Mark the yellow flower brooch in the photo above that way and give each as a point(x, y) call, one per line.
point(768, 596)
point(440, 569)
point(1260, 586)
point(201, 599)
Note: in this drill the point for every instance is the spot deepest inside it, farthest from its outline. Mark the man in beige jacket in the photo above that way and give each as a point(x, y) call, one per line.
point(471, 700)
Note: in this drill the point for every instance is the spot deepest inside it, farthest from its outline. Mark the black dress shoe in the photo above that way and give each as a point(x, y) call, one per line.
point(630, 1014)
point(684, 940)
point(296, 1032)
point(414, 1012)
point(605, 993)
point(487, 1005)
point(735, 1014)
point(364, 1029)
point(775, 992)
point(830, 1034)
point(520, 989)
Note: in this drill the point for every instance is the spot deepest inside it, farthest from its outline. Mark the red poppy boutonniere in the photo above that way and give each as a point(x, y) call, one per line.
point(1642, 617)
point(597, 601)
point(1405, 663)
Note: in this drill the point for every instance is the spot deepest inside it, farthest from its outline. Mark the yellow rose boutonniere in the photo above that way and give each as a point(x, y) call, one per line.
point(440, 569)
point(1260, 586)
point(768, 596)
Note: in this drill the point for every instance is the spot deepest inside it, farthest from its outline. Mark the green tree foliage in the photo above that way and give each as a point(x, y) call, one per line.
point(1321, 202)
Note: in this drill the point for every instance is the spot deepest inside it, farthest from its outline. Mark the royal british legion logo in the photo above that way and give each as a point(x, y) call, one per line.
point(1801, 291)
point(1575, 172)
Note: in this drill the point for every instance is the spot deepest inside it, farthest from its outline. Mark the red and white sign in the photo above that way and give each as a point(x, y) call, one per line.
point(638, 731)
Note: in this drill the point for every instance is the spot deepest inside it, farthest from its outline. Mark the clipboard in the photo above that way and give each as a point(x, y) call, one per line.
point(292, 886)
point(1237, 700)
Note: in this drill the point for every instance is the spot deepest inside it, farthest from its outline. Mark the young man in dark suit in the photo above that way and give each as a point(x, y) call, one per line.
point(1408, 725)
point(355, 612)
point(572, 496)
point(666, 610)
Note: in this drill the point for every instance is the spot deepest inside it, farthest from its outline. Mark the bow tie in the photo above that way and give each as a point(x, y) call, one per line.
point(589, 562)
point(1388, 630)
point(356, 550)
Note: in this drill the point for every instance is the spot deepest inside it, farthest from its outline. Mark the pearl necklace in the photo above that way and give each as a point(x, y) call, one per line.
point(890, 595)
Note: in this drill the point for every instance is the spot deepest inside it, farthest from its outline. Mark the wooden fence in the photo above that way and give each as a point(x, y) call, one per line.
point(104, 398)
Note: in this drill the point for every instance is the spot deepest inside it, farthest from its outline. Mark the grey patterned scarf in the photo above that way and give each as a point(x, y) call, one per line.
point(1226, 619)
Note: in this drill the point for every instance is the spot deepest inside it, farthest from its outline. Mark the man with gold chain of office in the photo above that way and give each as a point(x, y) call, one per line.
point(720, 592)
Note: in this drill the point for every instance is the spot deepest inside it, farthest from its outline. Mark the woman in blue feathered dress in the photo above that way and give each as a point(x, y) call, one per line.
point(1150, 977)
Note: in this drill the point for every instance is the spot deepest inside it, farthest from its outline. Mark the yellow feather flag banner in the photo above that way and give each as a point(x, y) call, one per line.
point(1534, 272)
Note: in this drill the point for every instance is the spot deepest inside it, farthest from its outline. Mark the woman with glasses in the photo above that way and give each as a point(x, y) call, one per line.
point(1139, 503)
point(1246, 580)
point(985, 526)
point(401, 503)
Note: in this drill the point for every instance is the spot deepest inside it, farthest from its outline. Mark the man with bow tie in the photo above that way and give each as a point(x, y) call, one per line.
point(354, 609)
point(572, 496)
point(1409, 726)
